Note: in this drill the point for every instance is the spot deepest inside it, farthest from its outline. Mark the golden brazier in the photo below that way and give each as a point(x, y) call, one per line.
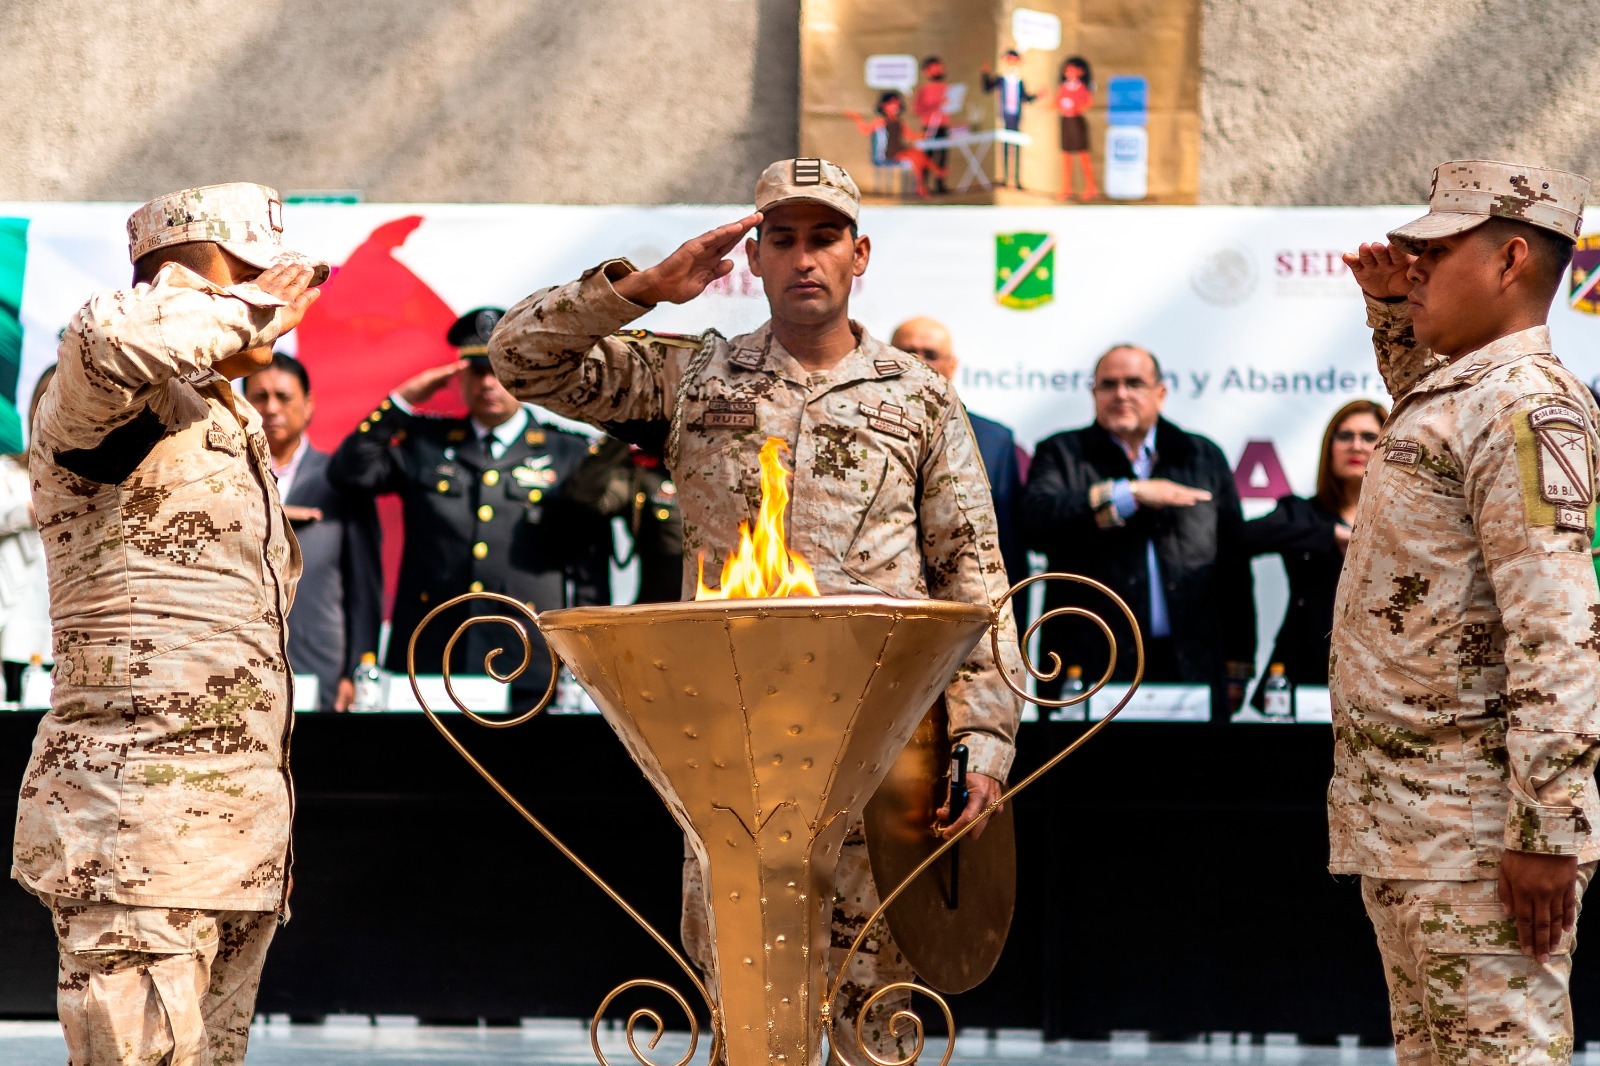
point(763, 724)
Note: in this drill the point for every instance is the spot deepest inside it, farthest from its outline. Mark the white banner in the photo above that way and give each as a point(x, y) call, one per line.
point(1259, 329)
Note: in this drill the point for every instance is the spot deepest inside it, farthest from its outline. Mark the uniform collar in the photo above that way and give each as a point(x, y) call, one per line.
point(506, 432)
point(869, 359)
point(1438, 373)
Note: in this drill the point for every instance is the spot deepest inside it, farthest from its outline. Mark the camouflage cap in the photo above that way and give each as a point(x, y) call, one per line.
point(244, 218)
point(1469, 192)
point(791, 181)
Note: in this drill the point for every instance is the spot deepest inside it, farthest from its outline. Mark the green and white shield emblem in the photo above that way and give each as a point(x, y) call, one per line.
point(1024, 269)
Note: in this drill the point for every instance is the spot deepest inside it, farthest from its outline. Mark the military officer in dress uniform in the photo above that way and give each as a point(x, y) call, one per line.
point(483, 510)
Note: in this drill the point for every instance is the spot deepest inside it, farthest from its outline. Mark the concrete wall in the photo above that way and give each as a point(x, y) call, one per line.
point(649, 101)
point(565, 101)
point(1355, 101)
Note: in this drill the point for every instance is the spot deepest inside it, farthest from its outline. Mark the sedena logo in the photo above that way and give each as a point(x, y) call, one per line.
point(1584, 294)
point(1024, 269)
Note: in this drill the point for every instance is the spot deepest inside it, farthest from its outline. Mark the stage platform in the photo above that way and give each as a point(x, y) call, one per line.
point(357, 1040)
point(1172, 879)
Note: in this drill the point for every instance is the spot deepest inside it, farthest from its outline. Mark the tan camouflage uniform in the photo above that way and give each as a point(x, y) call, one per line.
point(1465, 645)
point(154, 813)
point(157, 985)
point(888, 495)
point(1461, 989)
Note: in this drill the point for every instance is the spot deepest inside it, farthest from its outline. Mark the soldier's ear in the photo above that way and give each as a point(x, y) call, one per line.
point(1515, 261)
point(863, 254)
point(752, 254)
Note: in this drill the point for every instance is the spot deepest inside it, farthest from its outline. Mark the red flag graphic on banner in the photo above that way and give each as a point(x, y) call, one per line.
point(375, 325)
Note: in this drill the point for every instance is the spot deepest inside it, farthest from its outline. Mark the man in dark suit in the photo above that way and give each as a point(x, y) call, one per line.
point(1151, 511)
point(339, 606)
point(484, 512)
point(930, 341)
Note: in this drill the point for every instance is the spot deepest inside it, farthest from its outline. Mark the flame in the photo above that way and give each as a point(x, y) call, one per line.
point(763, 565)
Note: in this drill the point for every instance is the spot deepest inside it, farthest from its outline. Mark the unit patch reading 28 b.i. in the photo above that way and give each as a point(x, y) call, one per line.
point(1566, 471)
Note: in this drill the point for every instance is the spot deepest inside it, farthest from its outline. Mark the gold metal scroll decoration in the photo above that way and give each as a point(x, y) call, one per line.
point(908, 1017)
point(524, 613)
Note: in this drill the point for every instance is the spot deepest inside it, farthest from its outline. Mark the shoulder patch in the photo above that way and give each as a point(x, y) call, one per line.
point(1555, 458)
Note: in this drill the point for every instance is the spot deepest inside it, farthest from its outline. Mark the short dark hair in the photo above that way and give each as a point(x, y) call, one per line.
point(1551, 251)
point(930, 61)
point(1154, 362)
point(289, 365)
point(195, 255)
point(855, 230)
point(885, 98)
point(1012, 53)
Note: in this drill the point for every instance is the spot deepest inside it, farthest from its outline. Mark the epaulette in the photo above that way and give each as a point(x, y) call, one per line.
point(676, 340)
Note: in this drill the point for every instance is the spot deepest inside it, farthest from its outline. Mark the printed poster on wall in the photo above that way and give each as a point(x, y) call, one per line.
point(1005, 102)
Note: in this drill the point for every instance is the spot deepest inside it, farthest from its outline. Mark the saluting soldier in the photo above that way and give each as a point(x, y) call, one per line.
point(889, 494)
point(1466, 635)
point(154, 814)
point(484, 512)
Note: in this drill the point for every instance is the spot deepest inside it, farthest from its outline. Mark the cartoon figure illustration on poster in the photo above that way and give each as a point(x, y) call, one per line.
point(890, 145)
point(930, 105)
point(1074, 97)
point(1013, 94)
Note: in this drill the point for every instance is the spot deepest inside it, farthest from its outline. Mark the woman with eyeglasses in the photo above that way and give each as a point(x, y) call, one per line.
point(1311, 535)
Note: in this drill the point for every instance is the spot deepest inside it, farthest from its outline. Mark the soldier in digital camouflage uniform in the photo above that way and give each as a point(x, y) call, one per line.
point(154, 815)
point(1466, 640)
point(889, 494)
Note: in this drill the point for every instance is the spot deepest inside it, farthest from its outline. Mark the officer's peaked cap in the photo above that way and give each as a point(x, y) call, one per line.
point(470, 334)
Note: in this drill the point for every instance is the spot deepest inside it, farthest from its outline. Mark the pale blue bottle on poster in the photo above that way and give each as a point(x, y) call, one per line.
point(1127, 173)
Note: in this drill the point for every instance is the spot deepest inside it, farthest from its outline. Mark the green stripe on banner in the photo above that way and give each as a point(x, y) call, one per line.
point(13, 265)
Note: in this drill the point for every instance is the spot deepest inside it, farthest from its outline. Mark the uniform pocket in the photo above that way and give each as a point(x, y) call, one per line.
point(884, 552)
point(91, 666)
point(1472, 929)
point(88, 927)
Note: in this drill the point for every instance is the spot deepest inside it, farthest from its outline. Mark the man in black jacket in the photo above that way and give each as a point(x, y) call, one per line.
point(1151, 511)
point(484, 512)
